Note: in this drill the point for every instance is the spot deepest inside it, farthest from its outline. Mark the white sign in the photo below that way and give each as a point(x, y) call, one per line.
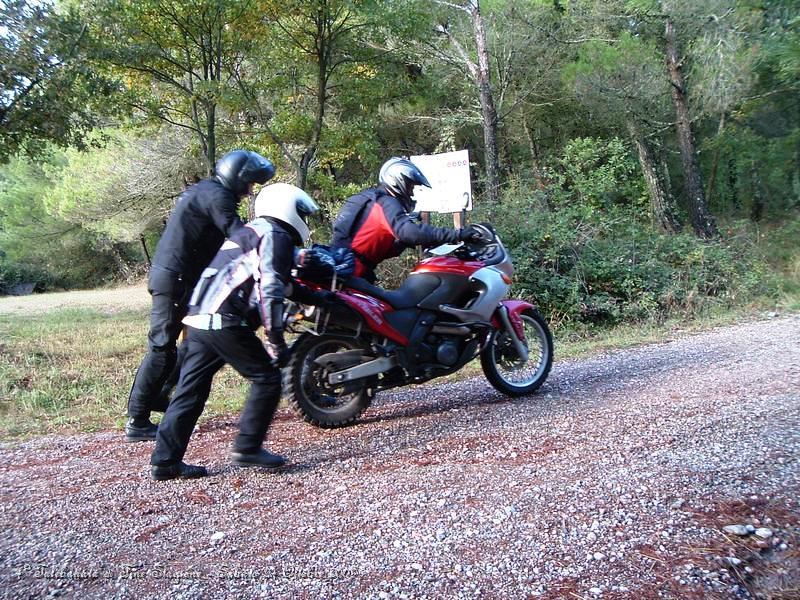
point(448, 174)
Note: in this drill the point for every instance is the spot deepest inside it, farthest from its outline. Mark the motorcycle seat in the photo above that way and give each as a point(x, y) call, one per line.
point(408, 295)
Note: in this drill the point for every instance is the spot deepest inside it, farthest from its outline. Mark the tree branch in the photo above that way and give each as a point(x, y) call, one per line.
point(451, 5)
point(471, 66)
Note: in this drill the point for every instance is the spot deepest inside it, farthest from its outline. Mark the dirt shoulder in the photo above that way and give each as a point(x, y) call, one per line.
point(615, 481)
point(112, 299)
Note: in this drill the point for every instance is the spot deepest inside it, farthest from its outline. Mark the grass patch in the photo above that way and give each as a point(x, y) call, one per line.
point(71, 370)
point(579, 342)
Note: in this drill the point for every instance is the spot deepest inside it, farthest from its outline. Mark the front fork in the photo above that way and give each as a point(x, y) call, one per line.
point(519, 345)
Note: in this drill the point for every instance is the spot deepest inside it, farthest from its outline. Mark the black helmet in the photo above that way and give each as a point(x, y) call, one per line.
point(399, 176)
point(239, 168)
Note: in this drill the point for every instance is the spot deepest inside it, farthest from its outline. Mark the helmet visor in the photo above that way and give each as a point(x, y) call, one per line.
point(306, 207)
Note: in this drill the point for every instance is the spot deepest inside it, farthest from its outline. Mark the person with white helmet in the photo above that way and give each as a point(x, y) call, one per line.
point(242, 288)
point(375, 224)
point(203, 217)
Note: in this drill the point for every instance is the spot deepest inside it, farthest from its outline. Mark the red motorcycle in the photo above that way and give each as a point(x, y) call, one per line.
point(451, 309)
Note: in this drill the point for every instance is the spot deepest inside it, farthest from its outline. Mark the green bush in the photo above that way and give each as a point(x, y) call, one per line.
point(584, 249)
point(609, 266)
point(13, 274)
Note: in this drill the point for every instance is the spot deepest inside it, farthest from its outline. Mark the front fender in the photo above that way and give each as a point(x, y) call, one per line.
point(515, 308)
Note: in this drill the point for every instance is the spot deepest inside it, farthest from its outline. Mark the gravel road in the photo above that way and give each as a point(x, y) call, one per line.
point(620, 479)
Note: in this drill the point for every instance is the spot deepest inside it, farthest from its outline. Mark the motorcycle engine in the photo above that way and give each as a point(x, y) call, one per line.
point(447, 352)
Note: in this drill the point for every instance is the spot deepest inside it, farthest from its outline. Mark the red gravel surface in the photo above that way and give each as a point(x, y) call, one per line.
point(616, 480)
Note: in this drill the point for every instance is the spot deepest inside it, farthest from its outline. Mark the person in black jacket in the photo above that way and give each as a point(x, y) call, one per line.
point(203, 217)
point(375, 224)
point(242, 288)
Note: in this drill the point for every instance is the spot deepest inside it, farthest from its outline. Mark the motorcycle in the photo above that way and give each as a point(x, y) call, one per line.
point(451, 309)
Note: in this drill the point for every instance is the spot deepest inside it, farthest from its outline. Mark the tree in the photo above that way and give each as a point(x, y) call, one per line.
point(621, 82)
point(125, 190)
point(480, 73)
point(323, 87)
point(48, 92)
point(766, 134)
point(322, 36)
point(177, 58)
point(662, 205)
point(702, 221)
point(68, 254)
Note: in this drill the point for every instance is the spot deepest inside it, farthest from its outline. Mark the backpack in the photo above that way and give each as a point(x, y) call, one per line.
point(320, 263)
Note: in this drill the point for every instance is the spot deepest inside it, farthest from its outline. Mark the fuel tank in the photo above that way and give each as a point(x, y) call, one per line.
point(448, 264)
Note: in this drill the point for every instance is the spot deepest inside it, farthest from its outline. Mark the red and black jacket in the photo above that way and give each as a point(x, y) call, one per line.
point(376, 226)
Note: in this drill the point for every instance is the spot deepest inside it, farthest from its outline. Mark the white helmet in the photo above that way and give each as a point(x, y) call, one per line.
point(289, 204)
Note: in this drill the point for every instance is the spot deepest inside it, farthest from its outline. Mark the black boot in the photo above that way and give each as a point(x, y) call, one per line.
point(259, 458)
point(138, 431)
point(177, 471)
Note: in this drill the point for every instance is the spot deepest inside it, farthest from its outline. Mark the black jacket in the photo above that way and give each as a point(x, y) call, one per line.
point(203, 217)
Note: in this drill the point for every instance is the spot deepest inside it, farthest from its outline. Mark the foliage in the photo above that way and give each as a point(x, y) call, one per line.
point(126, 188)
point(177, 60)
point(14, 275)
point(46, 248)
point(48, 92)
point(329, 89)
point(601, 267)
point(597, 175)
point(621, 80)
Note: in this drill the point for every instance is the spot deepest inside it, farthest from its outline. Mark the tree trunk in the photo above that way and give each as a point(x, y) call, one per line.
point(311, 150)
point(712, 176)
point(702, 221)
point(757, 208)
point(662, 208)
point(537, 172)
point(488, 109)
point(211, 137)
point(199, 130)
point(733, 183)
point(795, 177)
point(323, 60)
point(116, 256)
point(144, 249)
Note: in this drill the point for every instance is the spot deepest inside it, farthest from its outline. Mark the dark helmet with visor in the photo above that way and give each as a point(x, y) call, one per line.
point(236, 170)
point(399, 176)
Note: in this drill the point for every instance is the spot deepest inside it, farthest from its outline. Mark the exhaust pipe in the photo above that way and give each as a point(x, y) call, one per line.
point(373, 367)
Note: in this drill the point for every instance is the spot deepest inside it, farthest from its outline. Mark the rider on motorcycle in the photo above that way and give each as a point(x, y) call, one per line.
point(375, 224)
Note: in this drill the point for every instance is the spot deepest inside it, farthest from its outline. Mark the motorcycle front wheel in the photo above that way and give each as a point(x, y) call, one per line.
point(503, 366)
point(311, 395)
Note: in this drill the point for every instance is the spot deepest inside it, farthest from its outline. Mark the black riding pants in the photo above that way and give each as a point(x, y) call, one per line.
point(170, 296)
point(206, 353)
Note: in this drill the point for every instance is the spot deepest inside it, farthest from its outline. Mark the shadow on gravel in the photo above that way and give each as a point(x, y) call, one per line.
point(402, 432)
point(437, 406)
point(625, 366)
point(408, 423)
point(466, 412)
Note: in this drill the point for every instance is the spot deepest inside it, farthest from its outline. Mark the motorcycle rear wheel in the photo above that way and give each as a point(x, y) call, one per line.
point(502, 364)
point(311, 396)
